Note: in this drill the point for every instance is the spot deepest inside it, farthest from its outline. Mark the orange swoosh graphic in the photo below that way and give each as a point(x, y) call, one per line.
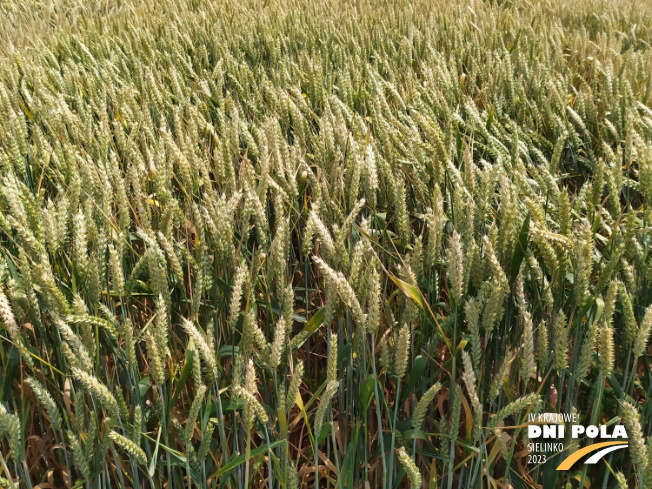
point(571, 459)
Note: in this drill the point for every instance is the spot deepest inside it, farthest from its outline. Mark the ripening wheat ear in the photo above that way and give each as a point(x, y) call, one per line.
point(622, 480)
point(640, 342)
point(192, 414)
point(402, 353)
point(324, 235)
point(469, 381)
point(373, 302)
point(331, 360)
point(584, 263)
point(343, 288)
point(206, 352)
point(585, 361)
point(79, 455)
point(410, 468)
point(606, 349)
point(637, 447)
point(435, 219)
point(527, 365)
point(45, 398)
point(7, 316)
point(295, 384)
point(456, 266)
point(472, 310)
point(324, 403)
point(236, 293)
point(499, 378)
point(560, 333)
point(252, 407)
point(117, 274)
point(453, 428)
point(647, 472)
point(276, 347)
point(95, 387)
point(156, 360)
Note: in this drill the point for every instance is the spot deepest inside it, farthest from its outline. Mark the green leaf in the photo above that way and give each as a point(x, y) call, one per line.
point(185, 373)
point(325, 431)
point(418, 367)
point(381, 219)
point(10, 374)
point(240, 459)
point(519, 252)
point(152, 465)
point(517, 478)
point(408, 289)
point(415, 294)
point(348, 470)
point(311, 326)
point(143, 386)
point(599, 308)
point(228, 351)
point(366, 391)
point(490, 118)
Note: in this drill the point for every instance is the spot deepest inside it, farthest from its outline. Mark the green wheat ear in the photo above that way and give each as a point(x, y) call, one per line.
point(422, 406)
point(10, 427)
point(327, 396)
point(129, 446)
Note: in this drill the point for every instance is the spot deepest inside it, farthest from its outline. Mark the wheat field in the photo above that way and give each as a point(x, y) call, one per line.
point(281, 244)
